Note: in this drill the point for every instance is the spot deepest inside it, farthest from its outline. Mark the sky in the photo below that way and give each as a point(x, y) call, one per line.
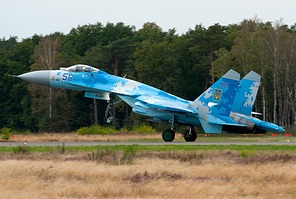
point(24, 18)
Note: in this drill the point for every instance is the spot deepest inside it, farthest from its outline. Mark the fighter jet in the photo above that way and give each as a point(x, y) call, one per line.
point(243, 105)
point(211, 110)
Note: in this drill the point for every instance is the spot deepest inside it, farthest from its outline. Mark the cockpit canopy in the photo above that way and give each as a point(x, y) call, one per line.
point(80, 68)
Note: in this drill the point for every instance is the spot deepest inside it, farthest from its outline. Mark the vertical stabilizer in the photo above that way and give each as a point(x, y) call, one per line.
point(246, 94)
point(216, 102)
point(218, 99)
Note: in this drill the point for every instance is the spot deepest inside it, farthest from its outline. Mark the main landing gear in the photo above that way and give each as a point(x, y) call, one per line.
point(190, 135)
point(168, 135)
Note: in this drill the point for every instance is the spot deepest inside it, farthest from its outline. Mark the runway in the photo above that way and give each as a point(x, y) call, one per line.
point(7, 144)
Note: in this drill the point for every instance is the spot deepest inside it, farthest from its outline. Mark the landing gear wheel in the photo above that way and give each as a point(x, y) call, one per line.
point(168, 135)
point(190, 135)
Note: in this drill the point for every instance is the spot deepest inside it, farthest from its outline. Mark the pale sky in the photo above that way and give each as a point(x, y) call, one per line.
point(24, 18)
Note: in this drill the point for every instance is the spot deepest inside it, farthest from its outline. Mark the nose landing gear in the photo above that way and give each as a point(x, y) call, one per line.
point(108, 118)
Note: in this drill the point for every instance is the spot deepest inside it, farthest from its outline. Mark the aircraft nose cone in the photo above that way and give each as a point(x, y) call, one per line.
point(40, 77)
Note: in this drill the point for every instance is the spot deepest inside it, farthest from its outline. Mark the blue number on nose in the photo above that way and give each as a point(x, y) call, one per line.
point(65, 76)
point(70, 77)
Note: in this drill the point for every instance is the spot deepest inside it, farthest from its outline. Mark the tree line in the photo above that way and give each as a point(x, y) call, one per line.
point(184, 65)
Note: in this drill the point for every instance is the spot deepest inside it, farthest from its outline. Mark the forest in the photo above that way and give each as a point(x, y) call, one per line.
point(184, 65)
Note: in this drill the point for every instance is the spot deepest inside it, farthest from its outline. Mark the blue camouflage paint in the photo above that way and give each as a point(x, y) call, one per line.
point(210, 110)
point(213, 109)
point(152, 102)
point(208, 103)
point(244, 103)
point(246, 95)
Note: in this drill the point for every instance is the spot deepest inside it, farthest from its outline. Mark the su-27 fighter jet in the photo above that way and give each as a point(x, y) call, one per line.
point(243, 105)
point(211, 110)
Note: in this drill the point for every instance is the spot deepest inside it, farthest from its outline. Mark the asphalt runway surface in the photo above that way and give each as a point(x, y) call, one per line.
point(141, 143)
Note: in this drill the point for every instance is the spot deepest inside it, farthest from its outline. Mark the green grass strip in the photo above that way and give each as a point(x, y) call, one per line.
point(16, 149)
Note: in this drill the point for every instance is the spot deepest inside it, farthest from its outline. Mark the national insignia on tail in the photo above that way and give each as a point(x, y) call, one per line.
point(217, 94)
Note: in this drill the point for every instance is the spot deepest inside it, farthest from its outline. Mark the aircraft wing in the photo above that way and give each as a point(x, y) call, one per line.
point(165, 103)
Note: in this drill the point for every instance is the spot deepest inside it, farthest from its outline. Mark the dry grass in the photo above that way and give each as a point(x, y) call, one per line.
point(73, 137)
point(153, 175)
point(67, 137)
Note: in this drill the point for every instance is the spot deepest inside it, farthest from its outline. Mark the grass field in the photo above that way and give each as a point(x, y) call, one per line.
point(178, 174)
point(169, 171)
point(66, 137)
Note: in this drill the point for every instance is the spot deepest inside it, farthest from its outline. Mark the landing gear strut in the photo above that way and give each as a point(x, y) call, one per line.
point(169, 134)
point(190, 135)
point(109, 110)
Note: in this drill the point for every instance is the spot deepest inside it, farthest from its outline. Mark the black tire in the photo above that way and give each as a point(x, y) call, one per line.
point(190, 137)
point(168, 135)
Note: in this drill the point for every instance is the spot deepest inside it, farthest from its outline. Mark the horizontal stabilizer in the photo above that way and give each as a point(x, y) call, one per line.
point(210, 128)
point(222, 120)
